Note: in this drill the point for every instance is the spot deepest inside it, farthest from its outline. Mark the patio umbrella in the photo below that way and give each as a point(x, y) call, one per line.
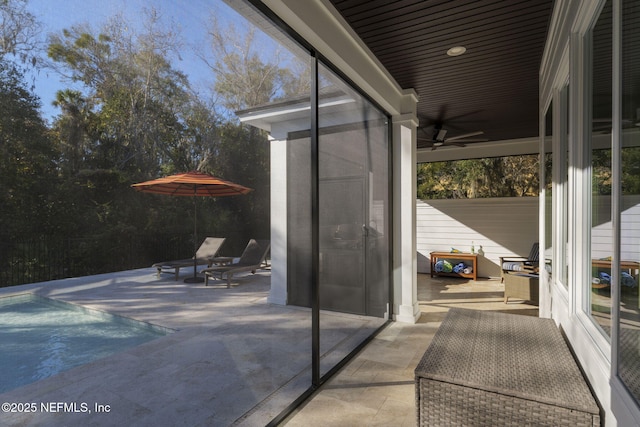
point(192, 184)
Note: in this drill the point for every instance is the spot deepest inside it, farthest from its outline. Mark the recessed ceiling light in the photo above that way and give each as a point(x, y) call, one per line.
point(456, 51)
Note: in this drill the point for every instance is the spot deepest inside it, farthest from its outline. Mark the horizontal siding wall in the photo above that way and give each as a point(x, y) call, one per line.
point(602, 234)
point(503, 226)
point(630, 229)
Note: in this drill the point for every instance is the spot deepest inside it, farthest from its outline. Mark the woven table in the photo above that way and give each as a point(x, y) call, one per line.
point(496, 369)
point(522, 286)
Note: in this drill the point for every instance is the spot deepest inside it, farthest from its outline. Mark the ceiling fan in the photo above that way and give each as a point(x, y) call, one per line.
point(440, 139)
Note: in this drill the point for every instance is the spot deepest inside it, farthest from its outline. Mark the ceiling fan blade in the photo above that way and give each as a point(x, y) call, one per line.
point(465, 135)
point(458, 144)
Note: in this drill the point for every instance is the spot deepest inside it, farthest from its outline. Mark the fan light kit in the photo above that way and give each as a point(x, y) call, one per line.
point(456, 51)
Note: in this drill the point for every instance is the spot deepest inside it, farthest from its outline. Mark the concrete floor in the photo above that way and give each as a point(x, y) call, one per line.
point(377, 387)
point(236, 360)
point(233, 359)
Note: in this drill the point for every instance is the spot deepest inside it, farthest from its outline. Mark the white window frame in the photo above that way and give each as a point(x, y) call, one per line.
point(580, 158)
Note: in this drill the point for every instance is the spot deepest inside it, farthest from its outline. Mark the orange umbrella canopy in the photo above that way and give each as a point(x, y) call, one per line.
point(192, 183)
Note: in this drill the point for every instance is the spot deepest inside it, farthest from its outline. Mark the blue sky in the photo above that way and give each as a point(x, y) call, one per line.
point(187, 16)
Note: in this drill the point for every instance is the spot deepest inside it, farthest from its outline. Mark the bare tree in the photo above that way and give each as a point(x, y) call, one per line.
point(19, 31)
point(250, 70)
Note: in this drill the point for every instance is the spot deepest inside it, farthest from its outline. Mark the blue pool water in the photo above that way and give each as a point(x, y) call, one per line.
point(40, 337)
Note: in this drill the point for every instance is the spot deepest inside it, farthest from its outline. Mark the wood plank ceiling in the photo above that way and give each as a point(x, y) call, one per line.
point(492, 87)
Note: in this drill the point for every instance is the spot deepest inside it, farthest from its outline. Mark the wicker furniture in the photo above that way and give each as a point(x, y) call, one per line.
point(495, 369)
point(459, 256)
point(521, 286)
point(526, 264)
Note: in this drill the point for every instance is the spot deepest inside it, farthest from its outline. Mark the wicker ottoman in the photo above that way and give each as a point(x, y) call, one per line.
point(496, 369)
point(522, 286)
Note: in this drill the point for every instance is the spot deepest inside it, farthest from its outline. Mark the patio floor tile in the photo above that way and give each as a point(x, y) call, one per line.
point(234, 359)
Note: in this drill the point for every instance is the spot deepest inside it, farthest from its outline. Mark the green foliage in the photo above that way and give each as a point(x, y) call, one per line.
point(517, 176)
point(601, 172)
point(135, 102)
point(514, 176)
point(243, 157)
point(27, 159)
point(631, 170)
point(132, 117)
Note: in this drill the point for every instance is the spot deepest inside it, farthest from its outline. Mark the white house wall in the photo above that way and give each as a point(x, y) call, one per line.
point(602, 234)
point(320, 24)
point(566, 63)
point(503, 226)
point(278, 289)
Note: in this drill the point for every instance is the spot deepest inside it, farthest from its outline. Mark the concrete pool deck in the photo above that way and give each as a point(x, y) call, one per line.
point(233, 359)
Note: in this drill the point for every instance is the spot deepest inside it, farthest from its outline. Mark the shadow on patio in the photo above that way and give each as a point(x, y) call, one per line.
point(237, 360)
point(377, 386)
point(234, 359)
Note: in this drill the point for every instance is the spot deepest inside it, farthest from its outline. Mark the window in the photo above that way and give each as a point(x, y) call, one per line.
point(598, 290)
point(548, 186)
point(629, 315)
point(562, 194)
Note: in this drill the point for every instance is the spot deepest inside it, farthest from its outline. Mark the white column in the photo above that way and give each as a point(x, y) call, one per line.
point(278, 291)
point(405, 268)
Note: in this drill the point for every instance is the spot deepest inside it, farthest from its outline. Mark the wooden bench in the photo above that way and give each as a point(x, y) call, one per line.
point(496, 369)
point(454, 257)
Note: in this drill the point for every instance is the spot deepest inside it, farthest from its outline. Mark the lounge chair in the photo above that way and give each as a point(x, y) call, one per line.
point(252, 259)
point(521, 264)
point(204, 256)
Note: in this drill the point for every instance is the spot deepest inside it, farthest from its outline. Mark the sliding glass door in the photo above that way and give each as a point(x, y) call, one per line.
point(353, 196)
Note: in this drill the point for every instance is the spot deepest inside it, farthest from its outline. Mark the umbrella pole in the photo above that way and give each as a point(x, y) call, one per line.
point(195, 278)
point(195, 235)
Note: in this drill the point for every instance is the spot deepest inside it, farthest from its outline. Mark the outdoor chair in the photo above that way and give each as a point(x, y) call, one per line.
point(527, 264)
point(252, 259)
point(204, 256)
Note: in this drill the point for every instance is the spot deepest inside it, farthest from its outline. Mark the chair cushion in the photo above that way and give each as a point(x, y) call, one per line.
point(512, 266)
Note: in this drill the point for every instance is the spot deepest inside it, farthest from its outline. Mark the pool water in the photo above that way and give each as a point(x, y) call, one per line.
point(40, 337)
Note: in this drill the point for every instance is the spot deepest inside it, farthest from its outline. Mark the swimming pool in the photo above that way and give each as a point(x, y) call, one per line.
point(40, 337)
